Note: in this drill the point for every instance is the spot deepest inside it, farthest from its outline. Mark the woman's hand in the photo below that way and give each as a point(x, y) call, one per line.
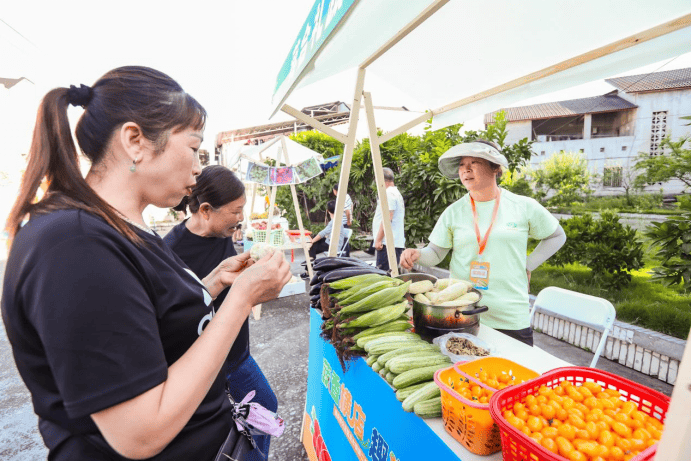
point(409, 257)
point(264, 280)
point(232, 267)
point(225, 273)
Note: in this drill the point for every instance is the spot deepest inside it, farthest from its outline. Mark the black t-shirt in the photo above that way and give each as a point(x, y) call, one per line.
point(202, 255)
point(95, 320)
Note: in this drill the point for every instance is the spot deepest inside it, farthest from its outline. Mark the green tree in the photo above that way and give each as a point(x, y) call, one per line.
point(675, 163)
point(673, 240)
point(566, 175)
point(517, 154)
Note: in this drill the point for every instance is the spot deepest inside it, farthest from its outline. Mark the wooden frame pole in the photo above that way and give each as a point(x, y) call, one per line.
point(346, 161)
point(313, 122)
point(381, 186)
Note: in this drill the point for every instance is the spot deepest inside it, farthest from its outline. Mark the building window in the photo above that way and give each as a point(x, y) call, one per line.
point(542, 152)
point(612, 176)
point(602, 149)
point(582, 151)
point(658, 131)
point(623, 148)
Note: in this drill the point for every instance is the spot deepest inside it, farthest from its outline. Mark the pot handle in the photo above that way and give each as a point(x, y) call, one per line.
point(478, 310)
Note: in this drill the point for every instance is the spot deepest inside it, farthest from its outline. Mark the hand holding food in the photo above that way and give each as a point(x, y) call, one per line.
point(264, 280)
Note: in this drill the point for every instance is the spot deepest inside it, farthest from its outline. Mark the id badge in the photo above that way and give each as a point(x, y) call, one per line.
point(479, 275)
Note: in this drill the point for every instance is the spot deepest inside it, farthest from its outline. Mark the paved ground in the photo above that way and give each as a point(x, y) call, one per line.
point(279, 343)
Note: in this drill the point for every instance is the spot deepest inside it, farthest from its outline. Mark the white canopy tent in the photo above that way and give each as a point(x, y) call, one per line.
point(284, 152)
point(462, 58)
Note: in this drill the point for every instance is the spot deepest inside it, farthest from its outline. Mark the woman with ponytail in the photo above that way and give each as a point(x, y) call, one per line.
point(204, 242)
point(105, 321)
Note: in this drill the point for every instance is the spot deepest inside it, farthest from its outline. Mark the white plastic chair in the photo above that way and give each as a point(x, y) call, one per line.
point(347, 233)
point(593, 312)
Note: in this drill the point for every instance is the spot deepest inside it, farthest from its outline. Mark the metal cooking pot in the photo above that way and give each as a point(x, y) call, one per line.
point(437, 320)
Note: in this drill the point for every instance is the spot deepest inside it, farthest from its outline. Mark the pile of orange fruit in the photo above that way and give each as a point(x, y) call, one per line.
point(585, 423)
point(470, 390)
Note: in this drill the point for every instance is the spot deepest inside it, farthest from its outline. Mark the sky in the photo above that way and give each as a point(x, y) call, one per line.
point(225, 53)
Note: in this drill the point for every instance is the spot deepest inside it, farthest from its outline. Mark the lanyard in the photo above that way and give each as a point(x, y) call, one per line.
point(482, 242)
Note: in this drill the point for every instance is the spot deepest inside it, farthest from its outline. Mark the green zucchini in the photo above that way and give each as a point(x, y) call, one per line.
point(401, 394)
point(382, 348)
point(382, 337)
point(400, 364)
point(417, 375)
point(376, 367)
point(428, 408)
point(389, 377)
point(430, 390)
point(371, 359)
point(417, 347)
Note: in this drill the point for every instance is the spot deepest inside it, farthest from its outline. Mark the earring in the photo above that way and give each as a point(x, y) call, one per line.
point(133, 168)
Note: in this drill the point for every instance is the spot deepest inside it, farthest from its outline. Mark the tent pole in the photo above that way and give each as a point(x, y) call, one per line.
point(303, 237)
point(675, 438)
point(347, 161)
point(381, 187)
point(311, 121)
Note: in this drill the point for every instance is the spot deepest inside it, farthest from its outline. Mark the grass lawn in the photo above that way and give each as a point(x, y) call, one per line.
point(643, 302)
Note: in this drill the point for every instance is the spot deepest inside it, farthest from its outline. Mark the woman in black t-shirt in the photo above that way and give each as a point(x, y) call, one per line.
point(203, 242)
point(105, 321)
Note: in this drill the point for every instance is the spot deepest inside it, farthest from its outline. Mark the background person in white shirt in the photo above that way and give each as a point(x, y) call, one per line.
point(396, 215)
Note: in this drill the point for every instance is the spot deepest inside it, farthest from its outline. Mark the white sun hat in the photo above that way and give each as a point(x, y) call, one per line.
point(450, 161)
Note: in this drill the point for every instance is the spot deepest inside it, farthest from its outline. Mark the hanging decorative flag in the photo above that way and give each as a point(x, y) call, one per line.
point(282, 176)
point(257, 173)
point(308, 169)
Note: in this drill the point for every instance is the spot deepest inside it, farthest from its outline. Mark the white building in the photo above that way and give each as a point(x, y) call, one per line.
point(612, 129)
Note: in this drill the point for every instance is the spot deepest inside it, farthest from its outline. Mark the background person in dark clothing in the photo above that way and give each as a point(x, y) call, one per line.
point(204, 242)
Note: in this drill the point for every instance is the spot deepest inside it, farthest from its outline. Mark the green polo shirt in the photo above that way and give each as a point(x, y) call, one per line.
point(518, 218)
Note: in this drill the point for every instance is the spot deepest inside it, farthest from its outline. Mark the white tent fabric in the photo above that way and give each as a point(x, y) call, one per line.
point(297, 153)
point(470, 46)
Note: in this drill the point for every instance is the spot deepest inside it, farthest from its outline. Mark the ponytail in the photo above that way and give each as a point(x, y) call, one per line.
point(53, 156)
point(145, 96)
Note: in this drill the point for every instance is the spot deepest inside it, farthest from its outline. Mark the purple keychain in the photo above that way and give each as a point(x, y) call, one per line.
point(256, 419)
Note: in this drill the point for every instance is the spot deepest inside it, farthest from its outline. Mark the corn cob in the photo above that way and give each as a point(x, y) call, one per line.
point(454, 291)
point(383, 297)
point(421, 298)
point(350, 282)
point(378, 316)
point(361, 292)
point(429, 391)
point(423, 286)
point(393, 326)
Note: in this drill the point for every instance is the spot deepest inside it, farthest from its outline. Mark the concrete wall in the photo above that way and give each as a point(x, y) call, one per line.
point(621, 151)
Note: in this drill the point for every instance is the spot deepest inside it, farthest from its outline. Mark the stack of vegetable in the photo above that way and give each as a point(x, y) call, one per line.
point(444, 292)
point(365, 314)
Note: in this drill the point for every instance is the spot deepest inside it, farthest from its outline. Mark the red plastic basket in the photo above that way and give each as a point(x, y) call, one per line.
point(516, 446)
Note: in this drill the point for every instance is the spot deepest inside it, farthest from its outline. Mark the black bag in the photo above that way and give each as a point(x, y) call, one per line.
point(236, 446)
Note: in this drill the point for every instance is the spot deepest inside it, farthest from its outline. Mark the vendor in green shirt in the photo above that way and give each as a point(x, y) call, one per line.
point(487, 231)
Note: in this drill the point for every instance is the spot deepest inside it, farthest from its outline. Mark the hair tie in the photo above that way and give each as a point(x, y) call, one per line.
point(79, 96)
